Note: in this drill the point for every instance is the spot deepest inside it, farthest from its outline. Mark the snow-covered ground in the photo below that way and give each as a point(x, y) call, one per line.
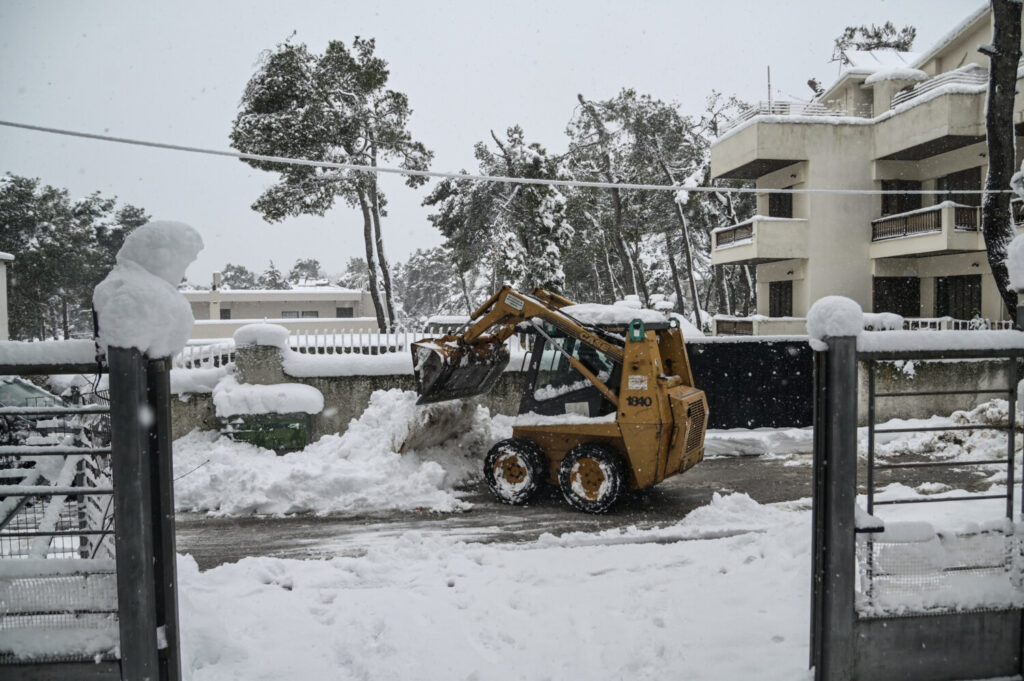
point(721, 594)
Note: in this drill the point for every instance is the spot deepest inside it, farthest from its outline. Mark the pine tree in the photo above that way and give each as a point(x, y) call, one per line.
point(272, 278)
point(305, 270)
point(330, 107)
point(237, 277)
point(867, 38)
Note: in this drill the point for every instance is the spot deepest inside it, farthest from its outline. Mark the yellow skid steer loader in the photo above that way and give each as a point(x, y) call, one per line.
point(609, 403)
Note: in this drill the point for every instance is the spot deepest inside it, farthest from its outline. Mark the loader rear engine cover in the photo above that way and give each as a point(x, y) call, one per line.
point(609, 403)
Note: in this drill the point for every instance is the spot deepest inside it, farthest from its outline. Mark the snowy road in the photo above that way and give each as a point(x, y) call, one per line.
point(214, 541)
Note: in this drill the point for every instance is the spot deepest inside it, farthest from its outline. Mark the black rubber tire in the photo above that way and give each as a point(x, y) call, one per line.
point(596, 468)
point(515, 470)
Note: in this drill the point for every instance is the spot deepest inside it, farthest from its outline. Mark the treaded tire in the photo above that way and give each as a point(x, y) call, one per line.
point(592, 477)
point(515, 470)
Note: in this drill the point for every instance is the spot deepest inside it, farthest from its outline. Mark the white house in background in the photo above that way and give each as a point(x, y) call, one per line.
point(219, 311)
point(5, 331)
point(891, 121)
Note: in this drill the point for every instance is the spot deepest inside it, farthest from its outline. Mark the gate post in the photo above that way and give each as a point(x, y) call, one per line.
point(835, 479)
point(133, 515)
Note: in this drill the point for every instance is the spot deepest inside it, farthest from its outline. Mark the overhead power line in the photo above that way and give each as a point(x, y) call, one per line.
point(469, 176)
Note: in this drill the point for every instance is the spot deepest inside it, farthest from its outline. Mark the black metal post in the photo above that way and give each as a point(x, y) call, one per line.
point(133, 515)
point(162, 490)
point(835, 480)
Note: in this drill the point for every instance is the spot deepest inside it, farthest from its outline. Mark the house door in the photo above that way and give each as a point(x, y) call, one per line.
point(958, 297)
point(901, 295)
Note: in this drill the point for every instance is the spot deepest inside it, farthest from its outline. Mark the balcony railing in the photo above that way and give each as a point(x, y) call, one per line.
point(740, 233)
point(925, 221)
point(971, 75)
point(781, 108)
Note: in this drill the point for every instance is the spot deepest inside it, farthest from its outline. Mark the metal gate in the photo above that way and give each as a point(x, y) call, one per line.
point(863, 579)
point(87, 573)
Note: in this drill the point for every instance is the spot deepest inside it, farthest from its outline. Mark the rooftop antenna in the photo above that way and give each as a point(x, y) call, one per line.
point(769, 89)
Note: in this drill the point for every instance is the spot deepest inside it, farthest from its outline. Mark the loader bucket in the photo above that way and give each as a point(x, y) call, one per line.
point(447, 369)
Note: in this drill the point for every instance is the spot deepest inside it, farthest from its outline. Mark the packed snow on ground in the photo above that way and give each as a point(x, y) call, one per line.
point(363, 470)
point(721, 595)
point(138, 305)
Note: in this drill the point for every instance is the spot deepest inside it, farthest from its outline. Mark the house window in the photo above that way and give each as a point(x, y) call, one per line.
point(310, 314)
point(290, 314)
point(900, 203)
point(901, 295)
point(958, 297)
point(225, 314)
point(780, 205)
point(780, 299)
point(344, 312)
point(951, 185)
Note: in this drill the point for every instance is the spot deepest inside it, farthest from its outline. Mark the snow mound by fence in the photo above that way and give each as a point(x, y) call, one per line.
point(395, 456)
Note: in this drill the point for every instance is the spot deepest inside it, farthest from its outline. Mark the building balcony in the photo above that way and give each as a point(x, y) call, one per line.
point(937, 230)
point(760, 239)
point(941, 114)
point(759, 325)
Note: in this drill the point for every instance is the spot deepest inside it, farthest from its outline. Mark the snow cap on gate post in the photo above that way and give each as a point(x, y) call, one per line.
point(833, 317)
point(138, 304)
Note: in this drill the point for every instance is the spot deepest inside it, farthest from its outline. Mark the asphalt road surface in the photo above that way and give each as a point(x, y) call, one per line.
point(212, 541)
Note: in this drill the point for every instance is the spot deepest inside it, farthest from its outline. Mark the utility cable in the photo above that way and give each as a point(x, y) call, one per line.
point(479, 178)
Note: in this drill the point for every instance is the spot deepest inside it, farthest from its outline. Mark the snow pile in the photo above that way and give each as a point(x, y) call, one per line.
point(883, 321)
point(200, 380)
point(362, 470)
point(231, 398)
point(273, 335)
point(428, 607)
point(833, 317)
point(138, 305)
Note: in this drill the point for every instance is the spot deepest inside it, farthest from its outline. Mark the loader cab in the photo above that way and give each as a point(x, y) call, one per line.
point(554, 387)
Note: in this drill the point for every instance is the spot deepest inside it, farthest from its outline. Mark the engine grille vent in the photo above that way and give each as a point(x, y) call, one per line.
point(696, 415)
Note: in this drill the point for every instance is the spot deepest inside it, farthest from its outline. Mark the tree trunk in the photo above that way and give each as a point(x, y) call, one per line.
point(378, 238)
point(721, 290)
point(64, 318)
point(751, 295)
point(686, 235)
point(465, 293)
point(1004, 54)
point(371, 260)
point(680, 305)
point(617, 210)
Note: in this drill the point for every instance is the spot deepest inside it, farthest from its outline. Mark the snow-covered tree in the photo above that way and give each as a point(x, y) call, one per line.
point(237, 277)
point(305, 269)
point(519, 230)
point(62, 249)
point(272, 278)
point(331, 107)
point(356, 275)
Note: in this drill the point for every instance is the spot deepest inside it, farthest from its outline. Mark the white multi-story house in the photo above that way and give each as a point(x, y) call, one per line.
point(219, 312)
point(891, 121)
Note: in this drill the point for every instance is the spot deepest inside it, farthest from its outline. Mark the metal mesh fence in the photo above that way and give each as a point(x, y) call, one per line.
point(58, 584)
point(916, 571)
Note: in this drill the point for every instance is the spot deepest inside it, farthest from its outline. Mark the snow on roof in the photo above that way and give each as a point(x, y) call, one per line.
point(896, 73)
point(952, 35)
point(6, 256)
point(870, 61)
point(595, 313)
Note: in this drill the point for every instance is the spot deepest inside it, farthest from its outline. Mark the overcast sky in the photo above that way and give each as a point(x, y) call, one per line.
point(174, 72)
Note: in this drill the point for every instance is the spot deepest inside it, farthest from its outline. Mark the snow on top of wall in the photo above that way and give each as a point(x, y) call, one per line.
point(6, 256)
point(832, 317)
point(912, 341)
point(272, 335)
point(896, 73)
point(1015, 262)
point(883, 321)
point(138, 305)
point(301, 365)
point(48, 352)
point(196, 381)
point(620, 313)
point(232, 398)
